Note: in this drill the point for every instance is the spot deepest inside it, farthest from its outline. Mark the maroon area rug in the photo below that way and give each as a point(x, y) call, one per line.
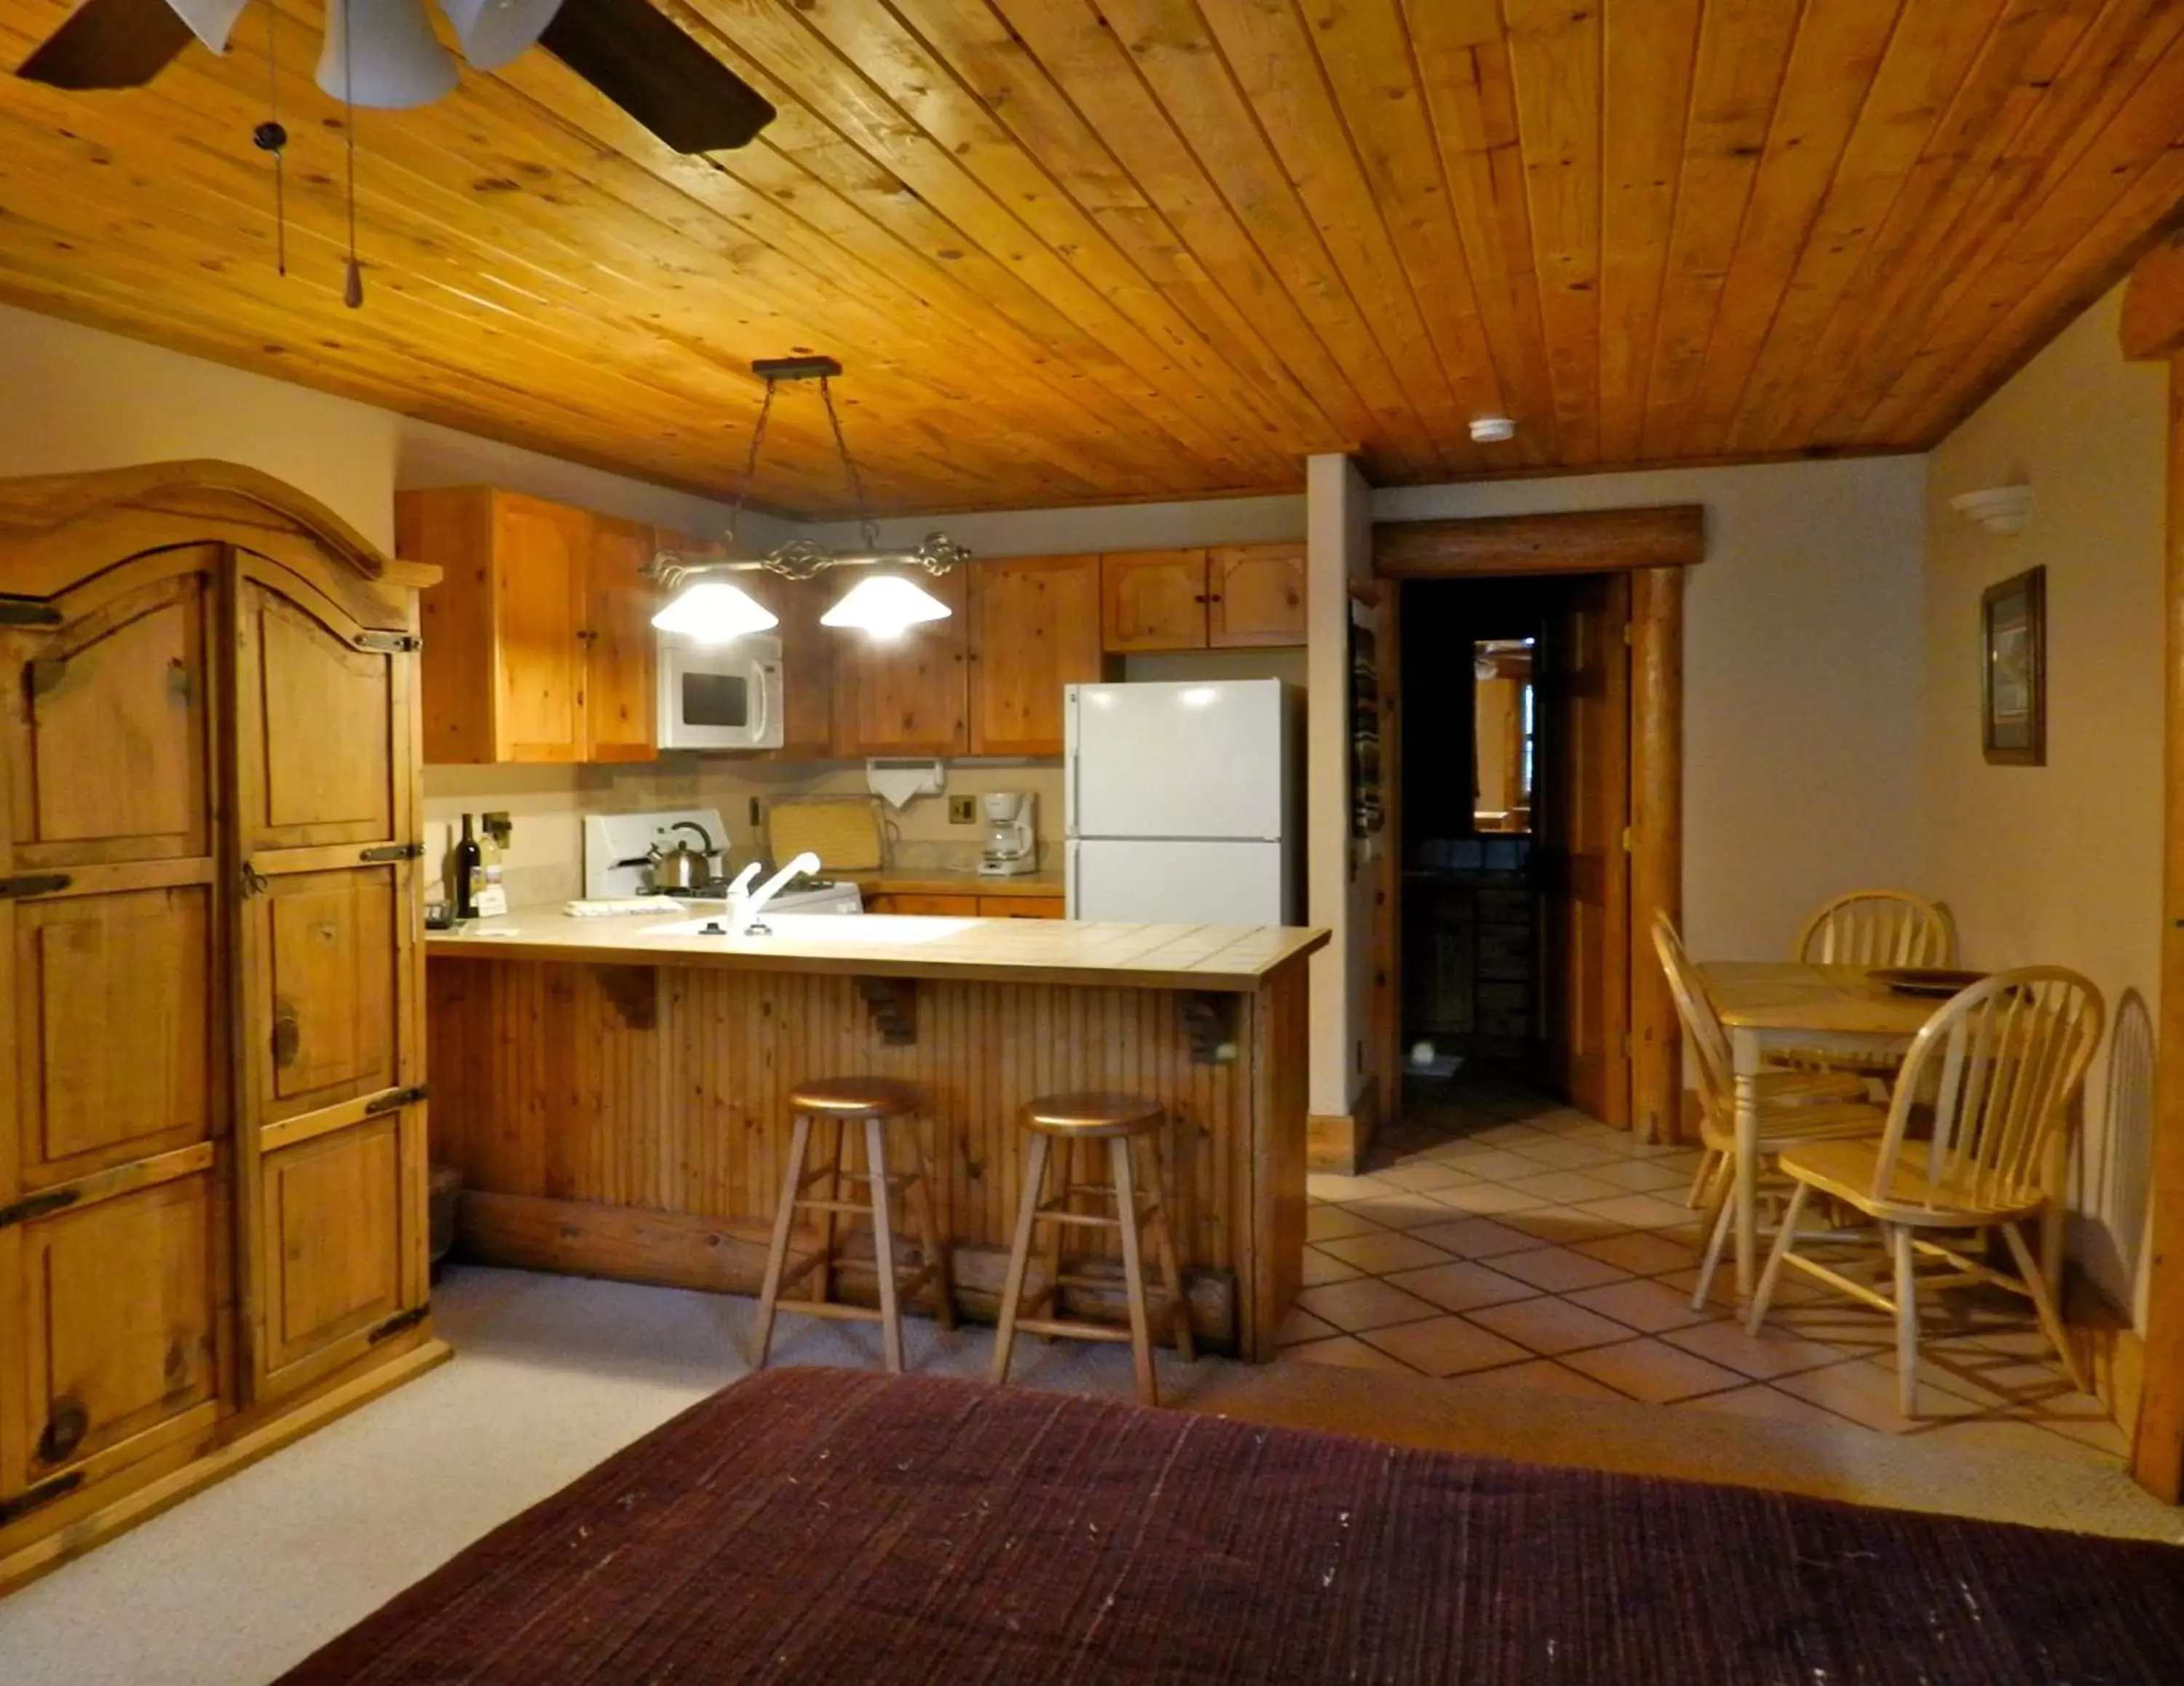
point(833, 1526)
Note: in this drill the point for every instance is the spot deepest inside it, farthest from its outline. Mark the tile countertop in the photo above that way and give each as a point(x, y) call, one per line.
point(1221, 958)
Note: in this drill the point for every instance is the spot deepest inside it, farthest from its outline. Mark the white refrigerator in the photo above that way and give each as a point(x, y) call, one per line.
point(1181, 802)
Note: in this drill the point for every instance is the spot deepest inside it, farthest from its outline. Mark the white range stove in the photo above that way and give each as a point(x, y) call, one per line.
point(615, 877)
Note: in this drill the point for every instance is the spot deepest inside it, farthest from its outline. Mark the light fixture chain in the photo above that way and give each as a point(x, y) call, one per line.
point(866, 525)
point(750, 462)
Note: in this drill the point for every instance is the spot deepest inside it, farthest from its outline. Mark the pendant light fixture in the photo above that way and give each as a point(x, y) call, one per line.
point(708, 608)
point(382, 54)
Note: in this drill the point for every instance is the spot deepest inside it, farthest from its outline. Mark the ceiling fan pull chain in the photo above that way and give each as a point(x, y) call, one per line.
point(270, 136)
point(353, 283)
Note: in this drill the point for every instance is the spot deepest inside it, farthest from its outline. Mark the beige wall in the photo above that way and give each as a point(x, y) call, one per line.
point(1803, 649)
point(2062, 864)
point(78, 400)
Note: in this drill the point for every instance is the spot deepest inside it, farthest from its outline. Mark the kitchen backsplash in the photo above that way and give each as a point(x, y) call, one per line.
point(547, 805)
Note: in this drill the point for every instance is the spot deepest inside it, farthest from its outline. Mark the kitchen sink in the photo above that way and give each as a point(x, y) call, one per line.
point(864, 930)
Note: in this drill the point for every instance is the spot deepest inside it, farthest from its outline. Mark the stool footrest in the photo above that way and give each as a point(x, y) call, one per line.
point(855, 1208)
point(1083, 1332)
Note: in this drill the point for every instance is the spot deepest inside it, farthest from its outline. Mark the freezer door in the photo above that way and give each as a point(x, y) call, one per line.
point(1183, 883)
point(1177, 760)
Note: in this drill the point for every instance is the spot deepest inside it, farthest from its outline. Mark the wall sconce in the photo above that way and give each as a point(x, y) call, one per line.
point(1998, 509)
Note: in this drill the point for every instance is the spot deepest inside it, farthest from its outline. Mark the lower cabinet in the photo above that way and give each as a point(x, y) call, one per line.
point(966, 907)
point(337, 1223)
point(112, 1341)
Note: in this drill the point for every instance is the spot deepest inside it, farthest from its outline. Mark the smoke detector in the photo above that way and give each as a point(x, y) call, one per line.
point(1492, 430)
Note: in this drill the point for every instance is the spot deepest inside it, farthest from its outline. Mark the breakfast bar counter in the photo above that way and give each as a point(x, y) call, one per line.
point(613, 1090)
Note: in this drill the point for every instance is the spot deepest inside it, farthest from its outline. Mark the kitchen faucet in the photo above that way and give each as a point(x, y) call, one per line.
point(744, 913)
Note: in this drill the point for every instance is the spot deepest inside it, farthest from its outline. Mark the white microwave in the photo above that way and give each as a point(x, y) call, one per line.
point(720, 696)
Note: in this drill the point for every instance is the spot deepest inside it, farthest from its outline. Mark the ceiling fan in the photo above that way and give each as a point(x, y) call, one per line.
point(384, 53)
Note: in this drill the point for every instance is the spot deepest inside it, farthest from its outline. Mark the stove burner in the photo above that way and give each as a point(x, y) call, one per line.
point(713, 889)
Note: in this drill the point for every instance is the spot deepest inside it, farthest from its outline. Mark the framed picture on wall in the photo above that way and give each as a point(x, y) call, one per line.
point(2013, 688)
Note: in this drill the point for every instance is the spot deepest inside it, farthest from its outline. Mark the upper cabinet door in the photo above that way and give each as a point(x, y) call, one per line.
point(1254, 595)
point(1153, 600)
point(619, 697)
point(328, 951)
point(108, 748)
point(541, 569)
point(807, 662)
point(323, 748)
point(910, 695)
point(1034, 629)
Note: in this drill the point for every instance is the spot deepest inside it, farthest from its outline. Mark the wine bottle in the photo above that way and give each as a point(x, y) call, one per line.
point(466, 861)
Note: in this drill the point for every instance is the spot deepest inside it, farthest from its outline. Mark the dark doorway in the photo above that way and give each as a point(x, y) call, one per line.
point(1515, 796)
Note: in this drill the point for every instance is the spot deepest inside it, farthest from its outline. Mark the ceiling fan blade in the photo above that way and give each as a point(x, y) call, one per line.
point(645, 65)
point(109, 44)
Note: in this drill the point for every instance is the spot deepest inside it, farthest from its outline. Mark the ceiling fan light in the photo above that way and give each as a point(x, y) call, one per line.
point(714, 612)
point(394, 56)
point(494, 33)
point(211, 21)
point(885, 605)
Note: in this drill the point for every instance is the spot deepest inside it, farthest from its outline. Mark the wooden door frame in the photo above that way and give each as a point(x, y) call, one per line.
point(1654, 546)
point(2153, 329)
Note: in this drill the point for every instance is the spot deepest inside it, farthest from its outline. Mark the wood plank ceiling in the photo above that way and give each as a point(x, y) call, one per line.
point(1084, 250)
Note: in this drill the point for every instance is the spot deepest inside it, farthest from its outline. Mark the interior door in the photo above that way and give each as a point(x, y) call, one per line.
point(1582, 819)
point(333, 1161)
point(113, 1104)
point(1034, 629)
point(618, 694)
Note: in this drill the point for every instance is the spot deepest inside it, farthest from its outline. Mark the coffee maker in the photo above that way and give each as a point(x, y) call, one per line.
point(1011, 844)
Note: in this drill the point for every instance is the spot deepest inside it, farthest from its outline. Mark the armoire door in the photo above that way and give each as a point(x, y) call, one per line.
point(113, 1104)
point(333, 1182)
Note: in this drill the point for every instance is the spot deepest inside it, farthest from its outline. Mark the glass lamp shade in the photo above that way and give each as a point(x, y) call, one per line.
point(388, 48)
point(884, 605)
point(714, 612)
point(494, 33)
point(211, 21)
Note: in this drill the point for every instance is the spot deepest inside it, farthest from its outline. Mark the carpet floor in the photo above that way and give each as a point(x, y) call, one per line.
point(556, 1374)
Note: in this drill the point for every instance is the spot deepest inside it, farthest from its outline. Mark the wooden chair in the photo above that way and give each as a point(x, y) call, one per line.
point(1794, 1107)
point(1075, 1120)
point(876, 1103)
point(2005, 1062)
point(1870, 928)
point(1878, 928)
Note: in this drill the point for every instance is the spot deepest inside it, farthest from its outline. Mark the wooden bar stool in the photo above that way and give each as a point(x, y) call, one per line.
point(1120, 1121)
point(876, 1102)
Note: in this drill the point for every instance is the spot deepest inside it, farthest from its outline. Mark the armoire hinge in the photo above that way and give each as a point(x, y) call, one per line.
point(388, 643)
point(35, 1498)
point(253, 881)
point(395, 1099)
point(22, 611)
point(33, 884)
point(37, 1206)
point(400, 1321)
point(395, 852)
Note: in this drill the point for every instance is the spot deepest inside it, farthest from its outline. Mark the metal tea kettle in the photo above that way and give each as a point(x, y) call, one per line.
point(675, 865)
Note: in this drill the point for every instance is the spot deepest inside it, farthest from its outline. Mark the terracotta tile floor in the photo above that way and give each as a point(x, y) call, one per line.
point(1508, 1240)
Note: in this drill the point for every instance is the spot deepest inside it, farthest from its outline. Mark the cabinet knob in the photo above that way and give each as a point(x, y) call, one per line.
point(287, 1034)
point(65, 1428)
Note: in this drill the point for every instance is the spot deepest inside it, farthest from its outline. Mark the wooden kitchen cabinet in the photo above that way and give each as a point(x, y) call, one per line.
point(909, 695)
point(1152, 600)
point(1022, 907)
point(1254, 595)
point(1231, 596)
point(807, 663)
point(900, 901)
point(208, 931)
point(538, 642)
point(1034, 629)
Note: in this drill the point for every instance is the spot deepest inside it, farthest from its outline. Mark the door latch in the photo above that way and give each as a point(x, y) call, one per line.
point(395, 1099)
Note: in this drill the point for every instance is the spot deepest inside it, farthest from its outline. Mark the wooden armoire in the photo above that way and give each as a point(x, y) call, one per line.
point(212, 1181)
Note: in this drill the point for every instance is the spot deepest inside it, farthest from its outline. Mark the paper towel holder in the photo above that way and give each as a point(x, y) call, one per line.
point(898, 780)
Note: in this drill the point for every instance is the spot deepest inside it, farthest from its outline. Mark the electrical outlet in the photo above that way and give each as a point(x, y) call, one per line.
point(963, 811)
point(498, 826)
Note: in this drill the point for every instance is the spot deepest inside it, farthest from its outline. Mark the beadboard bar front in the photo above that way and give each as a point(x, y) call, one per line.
point(630, 1120)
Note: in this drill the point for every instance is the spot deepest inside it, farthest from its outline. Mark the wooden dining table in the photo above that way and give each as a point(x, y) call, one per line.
point(1766, 1005)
